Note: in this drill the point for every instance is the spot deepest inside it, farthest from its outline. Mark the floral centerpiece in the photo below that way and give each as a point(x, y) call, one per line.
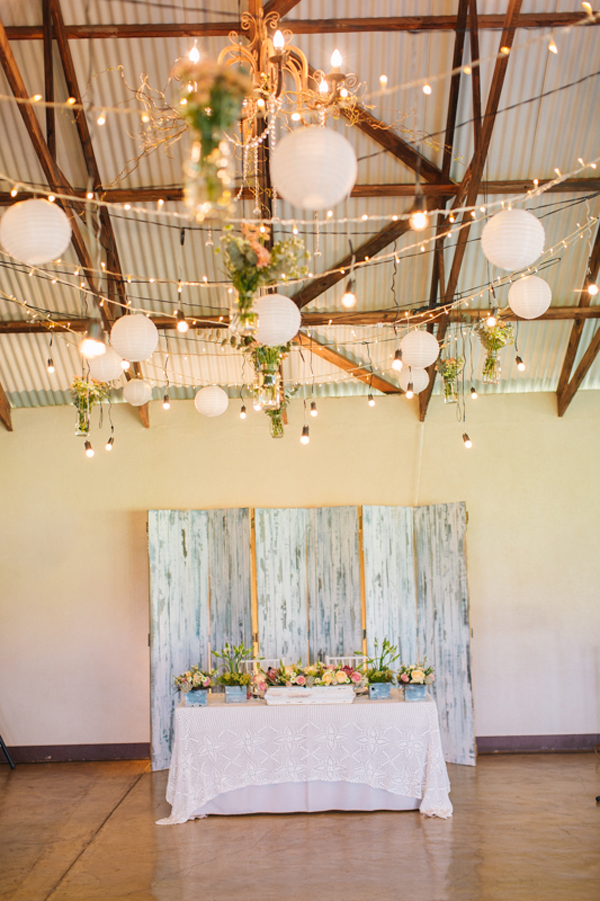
point(494, 338)
point(86, 393)
point(317, 675)
point(232, 676)
point(251, 265)
point(194, 685)
point(211, 103)
point(378, 669)
point(414, 679)
point(450, 368)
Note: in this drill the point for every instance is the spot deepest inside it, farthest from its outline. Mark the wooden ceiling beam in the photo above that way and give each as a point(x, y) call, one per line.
point(5, 414)
point(337, 359)
point(49, 79)
point(359, 24)
point(469, 187)
point(279, 6)
point(475, 71)
point(568, 386)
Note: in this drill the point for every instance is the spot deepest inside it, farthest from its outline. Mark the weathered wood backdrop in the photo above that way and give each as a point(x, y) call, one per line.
point(321, 583)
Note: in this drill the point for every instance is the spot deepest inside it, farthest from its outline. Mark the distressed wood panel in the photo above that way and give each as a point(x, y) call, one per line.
point(390, 589)
point(443, 622)
point(179, 630)
point(282, 583)
point(230, 577)
point(334, 602)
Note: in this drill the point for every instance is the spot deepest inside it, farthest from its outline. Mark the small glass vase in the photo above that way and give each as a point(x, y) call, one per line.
point(276, 425)
point(243, 321)
point(83, 423)
point(208, 178)
point(492, 369)
point(266, 389)
point(450, 391)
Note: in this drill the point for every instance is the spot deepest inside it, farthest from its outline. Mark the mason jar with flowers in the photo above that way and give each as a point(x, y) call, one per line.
point(494, 338)
point(194, 685)
point(415, 678)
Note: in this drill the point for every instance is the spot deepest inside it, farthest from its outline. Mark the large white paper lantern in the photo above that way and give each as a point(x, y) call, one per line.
point(35, 231)
point(211, 401)
point(107, 367)
point(419, 349)
point(415, 375)
point(137, 392)
point(529, 297)
point(278, 319)
point(134, 337)
point(314, 168)
point(513, 239)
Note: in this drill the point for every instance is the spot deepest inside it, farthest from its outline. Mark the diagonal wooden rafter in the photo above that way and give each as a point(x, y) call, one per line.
point(5, 414)
point(280, 6)
point(469, 187)
point(356, 370)
point(567, 385)
point(475, 71)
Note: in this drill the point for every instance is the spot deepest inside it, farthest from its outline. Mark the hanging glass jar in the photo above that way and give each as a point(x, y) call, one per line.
point(209, 178)
point(266, 388)
point(492, 369)
point(243, 321)
point(450, 391)
point(276, 422)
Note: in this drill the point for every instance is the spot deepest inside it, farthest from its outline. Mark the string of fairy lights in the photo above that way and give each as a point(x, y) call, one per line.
point(163, 217)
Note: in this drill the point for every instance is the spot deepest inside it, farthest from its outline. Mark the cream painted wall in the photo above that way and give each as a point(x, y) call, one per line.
point(74, 595)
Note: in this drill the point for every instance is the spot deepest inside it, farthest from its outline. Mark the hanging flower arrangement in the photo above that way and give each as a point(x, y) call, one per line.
point(267, 389)
point(85, 394)
point(493, 339)
point(251, 265)
point(450, 368)
point(211, 103)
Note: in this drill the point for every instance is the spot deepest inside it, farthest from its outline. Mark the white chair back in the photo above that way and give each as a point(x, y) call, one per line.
point(250, 666)
point(353, 660)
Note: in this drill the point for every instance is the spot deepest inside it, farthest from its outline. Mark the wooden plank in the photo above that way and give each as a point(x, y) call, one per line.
point(280, 6)
point(337, 359)
point(334, 605)
point(299, 26)
point(282, 583)
point(5, 414)
point(475, 71)
point(230, 577)
point(49, 79)
point(179, 622)
point(443, 630)
point(391, 596)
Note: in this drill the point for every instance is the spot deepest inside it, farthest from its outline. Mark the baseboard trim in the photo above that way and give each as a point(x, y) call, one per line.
point(69, 753)
point(535, 744)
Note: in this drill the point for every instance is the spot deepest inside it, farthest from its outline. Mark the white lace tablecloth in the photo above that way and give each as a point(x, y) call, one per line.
point(389, 745)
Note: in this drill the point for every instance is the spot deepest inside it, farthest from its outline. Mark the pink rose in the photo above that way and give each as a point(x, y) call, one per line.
point(356, 677)
point(404, 677)
point(206, 683)
point(300, 680)
point(262, 686)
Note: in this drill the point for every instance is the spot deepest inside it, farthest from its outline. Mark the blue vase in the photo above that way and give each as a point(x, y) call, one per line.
point(379, 691)
point(196, 698)
point(236, 694)
point(415, 692)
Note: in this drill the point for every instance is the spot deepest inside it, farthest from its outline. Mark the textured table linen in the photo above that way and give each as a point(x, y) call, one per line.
point(390, 746)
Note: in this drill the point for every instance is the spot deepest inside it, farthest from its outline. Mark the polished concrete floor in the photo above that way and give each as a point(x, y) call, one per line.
point(524, 826)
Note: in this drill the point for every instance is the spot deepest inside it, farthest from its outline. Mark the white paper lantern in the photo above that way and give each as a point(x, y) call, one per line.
point(107, 367)
point(529, 297)
point(211, 401)
point(419, 378)
point(314, 168)
point(278, 319)
point(513, 239)
point(134, 337)
point(419, 349)
point(35, 231)
point(137, 392)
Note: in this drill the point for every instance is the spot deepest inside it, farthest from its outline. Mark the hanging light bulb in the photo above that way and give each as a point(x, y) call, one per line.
point(520, 364)
point(467, 441)
point(593, 289)
point(125, 365)
point(492, 319)
point(50, 366)
point(371, 400)
point(409, 391)
point(94, 342)
point(313, 408)
point(194, 54)
point(182, 325)
point(278, 41)
point(474, 394)
point(336, 61)
point(552, 46)
point(166, 402)
point(419, 219)
point(397, 361)
point(243, 412)
point(89, 450)
point(110, 444)
point(304, 437)
point(349, 297)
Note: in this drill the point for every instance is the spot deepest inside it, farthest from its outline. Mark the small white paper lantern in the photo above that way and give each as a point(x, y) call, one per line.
point(419, 349)
point(529, 297)
point(314, 168)
point(211, 401)
point(419, 378)
point(35, 231)
point(106, 368)
point(513, 239)
point(278, 319)
point(134, 337)
point(137, 392)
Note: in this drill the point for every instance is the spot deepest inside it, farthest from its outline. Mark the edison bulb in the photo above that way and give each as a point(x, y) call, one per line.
point(419, 220)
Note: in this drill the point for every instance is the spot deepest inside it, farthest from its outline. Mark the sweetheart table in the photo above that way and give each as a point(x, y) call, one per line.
point(254, 758)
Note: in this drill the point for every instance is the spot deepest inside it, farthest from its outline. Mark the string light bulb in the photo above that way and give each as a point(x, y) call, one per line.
point(397, 361)
point(305, 436)
point(593, 289)
point(409, 391)
point(50, 365)
point(371, 400)
point(467, 441)
point(109, 444)
point(520, 364)
point(492, 319)
point(125, 365)
point(182, 324)
point(243, 412)
point(94, 342)
point(552, 46)
point(349, 297)
point(89, 450)
point(313, 408)
point(419, 220)
point(166, 402)
point(474, 394)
